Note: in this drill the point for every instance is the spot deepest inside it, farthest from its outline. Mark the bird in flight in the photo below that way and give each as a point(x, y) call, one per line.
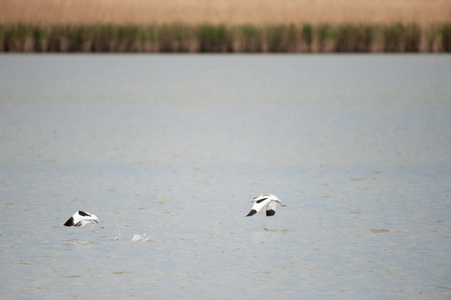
point(81, 218)
point(266, 199)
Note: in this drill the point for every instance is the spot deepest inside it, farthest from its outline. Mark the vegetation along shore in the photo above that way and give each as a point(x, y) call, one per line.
point(220, 38)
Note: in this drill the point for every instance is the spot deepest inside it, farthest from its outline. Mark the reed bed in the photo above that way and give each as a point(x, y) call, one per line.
point(220, 38)
point(228, 12)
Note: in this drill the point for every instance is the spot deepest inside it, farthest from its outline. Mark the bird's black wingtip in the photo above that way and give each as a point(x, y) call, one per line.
point(69, 222)
point(270, 212)
point(251, 213)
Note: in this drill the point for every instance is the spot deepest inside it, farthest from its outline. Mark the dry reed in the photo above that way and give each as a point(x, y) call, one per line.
point(228, 12)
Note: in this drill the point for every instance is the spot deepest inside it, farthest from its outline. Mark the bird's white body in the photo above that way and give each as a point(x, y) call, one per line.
point(268, 200)
point(81, 218)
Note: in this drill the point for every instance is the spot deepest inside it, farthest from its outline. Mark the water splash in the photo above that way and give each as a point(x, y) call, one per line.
point(138, 237)
point(118, 236)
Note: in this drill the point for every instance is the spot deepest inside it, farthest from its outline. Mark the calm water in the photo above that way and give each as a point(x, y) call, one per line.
point(168, 152)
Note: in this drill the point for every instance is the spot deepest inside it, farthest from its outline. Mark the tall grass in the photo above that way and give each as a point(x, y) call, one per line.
point(213, 38)
point(445, 32)
point(178, 37)
point(351, 38)
point(401, 38)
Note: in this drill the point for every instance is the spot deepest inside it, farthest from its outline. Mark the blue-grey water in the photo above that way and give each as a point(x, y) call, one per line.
point(168, 151)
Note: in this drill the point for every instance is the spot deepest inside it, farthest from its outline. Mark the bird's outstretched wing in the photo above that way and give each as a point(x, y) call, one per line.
point(80, 218)
point(258, 205)
point(271, 209)
point(70, 222)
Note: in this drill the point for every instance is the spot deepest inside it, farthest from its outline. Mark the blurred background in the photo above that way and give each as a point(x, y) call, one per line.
point(226, 26)
point(229, 12)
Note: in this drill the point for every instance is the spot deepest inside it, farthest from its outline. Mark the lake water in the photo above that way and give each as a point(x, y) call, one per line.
point(169, 150)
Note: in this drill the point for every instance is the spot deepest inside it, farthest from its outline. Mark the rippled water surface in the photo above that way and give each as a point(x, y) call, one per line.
point(168, 151)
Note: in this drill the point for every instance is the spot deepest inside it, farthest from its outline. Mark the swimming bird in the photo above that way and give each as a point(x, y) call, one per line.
point(81, 218)
point(266, 199)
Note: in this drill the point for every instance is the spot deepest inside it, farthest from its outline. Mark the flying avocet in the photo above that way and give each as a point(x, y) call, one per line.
point(266, 199)
point(81, 218)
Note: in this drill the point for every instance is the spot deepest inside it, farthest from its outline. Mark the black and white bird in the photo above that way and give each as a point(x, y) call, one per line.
point(81, 218)
point(266, 199)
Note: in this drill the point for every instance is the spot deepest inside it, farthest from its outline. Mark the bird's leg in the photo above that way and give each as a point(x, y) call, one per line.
point(92, 227)
point(99, 224)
